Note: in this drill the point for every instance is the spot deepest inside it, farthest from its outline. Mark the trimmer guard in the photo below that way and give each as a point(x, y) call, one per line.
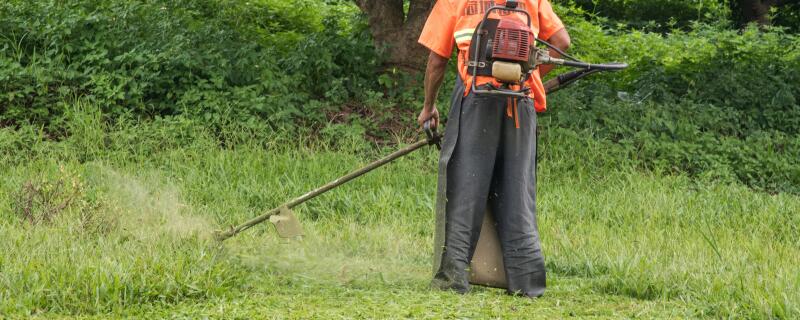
point(286, 224)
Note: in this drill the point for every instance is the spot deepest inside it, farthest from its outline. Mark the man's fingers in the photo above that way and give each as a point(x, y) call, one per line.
point(432, 116)
point(434, 119)
point(421, 121)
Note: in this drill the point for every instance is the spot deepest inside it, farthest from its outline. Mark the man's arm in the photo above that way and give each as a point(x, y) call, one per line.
point(560, 40)
point(434, 74)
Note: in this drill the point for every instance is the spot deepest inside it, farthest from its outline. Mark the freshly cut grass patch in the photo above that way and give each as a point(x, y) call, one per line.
point(618, 242)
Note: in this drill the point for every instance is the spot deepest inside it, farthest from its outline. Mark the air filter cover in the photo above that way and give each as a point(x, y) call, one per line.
point(512, 41)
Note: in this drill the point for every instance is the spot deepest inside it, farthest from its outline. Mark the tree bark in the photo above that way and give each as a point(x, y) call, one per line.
point(396, 32)
point(758, 10)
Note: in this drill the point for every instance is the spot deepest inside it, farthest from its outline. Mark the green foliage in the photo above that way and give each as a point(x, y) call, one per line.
point(788, 16)
point(218, 60)
point(785, 15)
point(710, 102)
point(655, 15)
point(667, 15)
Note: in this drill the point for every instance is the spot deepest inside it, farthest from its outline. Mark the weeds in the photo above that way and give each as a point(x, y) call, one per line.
point(43, 200)
point(618, 242)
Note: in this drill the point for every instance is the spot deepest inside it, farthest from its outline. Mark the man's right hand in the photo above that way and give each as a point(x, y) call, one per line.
point(429, 113)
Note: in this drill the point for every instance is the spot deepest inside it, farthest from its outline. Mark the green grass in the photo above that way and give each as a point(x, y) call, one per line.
point(134, 241)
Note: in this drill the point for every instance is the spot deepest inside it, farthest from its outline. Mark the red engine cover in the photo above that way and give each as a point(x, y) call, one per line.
point(512, 41)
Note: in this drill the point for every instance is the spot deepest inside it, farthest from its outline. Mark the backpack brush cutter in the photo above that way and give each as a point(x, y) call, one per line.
point(502, 48)
point(504, 51)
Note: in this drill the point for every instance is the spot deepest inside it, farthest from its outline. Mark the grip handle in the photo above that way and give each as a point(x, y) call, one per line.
point(433, 137)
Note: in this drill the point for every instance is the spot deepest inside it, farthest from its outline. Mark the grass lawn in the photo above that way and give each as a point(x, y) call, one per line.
point(116, 222)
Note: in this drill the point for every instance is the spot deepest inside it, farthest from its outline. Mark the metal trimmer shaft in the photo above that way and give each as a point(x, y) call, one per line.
point(433, 138)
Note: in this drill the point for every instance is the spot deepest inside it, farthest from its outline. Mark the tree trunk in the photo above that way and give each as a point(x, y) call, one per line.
point(757, 10)
point(396, 32)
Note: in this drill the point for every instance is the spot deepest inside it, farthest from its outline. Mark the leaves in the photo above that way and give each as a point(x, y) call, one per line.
point(259, 58)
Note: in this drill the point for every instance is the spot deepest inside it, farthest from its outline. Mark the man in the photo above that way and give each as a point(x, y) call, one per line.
point(488, 157)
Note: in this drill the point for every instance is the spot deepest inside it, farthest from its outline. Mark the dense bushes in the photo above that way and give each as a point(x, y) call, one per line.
point(657, 15)
point(701, 99)
point(750, 75)
point(245, 61)
point(665, 15)
point(710, 102)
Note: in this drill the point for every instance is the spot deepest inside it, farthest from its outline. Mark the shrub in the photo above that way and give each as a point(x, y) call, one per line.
point(709, 102)
point(211, 59)
point(661, 15)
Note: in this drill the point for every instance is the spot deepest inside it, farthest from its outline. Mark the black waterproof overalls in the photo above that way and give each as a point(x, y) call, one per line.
point(488, 160)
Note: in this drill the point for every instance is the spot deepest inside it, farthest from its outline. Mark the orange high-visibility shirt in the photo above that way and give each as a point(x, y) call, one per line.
point(453, 22)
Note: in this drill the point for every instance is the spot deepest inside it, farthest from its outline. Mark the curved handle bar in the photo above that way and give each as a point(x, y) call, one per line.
point(614, 66)
point(433, 136)
point(564, 79)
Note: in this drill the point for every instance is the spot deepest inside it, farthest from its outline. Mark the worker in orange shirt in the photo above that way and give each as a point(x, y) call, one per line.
point(488, 157)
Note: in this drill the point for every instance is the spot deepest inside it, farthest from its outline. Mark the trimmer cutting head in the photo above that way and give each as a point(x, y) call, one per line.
point(286, 224)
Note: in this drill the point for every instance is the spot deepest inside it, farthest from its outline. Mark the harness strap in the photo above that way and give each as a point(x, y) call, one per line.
point(512, 111)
